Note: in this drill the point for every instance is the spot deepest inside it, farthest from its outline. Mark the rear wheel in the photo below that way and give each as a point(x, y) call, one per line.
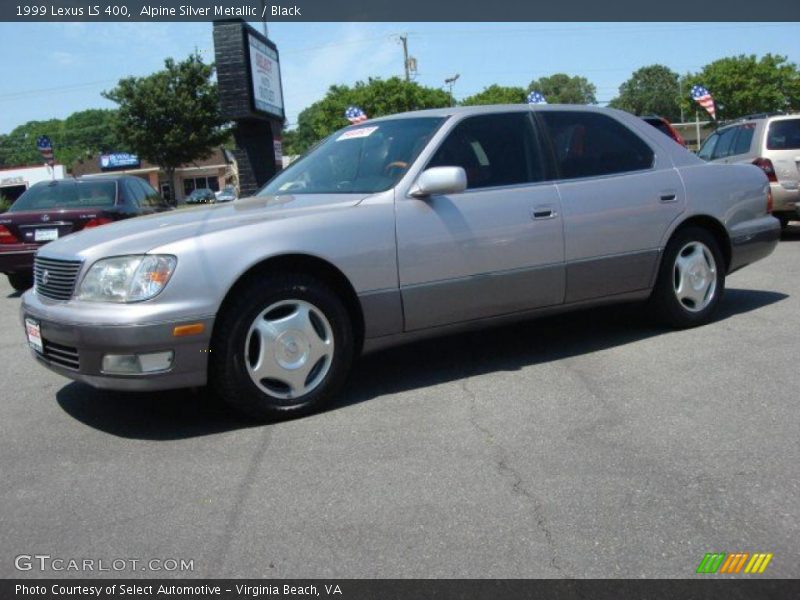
point(282, 348)
point(784, 219)
point(21, 281)
point(691, 279)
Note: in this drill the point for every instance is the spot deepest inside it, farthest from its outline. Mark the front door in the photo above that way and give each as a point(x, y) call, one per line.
point(496, 248)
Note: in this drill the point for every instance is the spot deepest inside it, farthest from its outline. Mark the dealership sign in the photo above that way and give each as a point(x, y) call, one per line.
point(118, 160)
point(265, 73)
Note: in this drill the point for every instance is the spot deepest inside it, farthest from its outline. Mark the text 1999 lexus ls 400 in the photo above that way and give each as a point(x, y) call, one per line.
point(397, 228)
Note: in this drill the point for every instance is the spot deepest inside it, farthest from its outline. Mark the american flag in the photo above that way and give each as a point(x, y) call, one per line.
point(704, 99)
point(355, 114)
point(45, 146)
point(536, 98)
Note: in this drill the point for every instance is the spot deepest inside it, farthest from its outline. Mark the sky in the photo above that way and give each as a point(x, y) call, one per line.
point(49, 70)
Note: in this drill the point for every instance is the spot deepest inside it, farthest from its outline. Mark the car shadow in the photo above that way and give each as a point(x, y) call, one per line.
point(184, 414)
point(791, 233)
point(15, 294)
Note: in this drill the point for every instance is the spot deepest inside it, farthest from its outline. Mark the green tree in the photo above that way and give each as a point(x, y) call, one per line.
point(744, 85)
point(560, 88)
point(376, 97)
point(496, 94)
point(172, 117)
point(651, 90)
point(81, 135)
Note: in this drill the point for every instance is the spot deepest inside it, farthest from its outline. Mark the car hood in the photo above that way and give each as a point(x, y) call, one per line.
point(142, 234)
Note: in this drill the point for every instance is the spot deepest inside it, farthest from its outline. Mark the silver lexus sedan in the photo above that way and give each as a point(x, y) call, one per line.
point(405, 226)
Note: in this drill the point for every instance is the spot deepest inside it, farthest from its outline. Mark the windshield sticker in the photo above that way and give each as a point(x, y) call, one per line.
point(357, 133)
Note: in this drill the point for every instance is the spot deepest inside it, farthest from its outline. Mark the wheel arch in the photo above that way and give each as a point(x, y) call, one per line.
point(713, 226)
point(307, 264)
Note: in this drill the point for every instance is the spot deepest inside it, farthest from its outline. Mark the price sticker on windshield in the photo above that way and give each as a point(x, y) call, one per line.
point(361, 132)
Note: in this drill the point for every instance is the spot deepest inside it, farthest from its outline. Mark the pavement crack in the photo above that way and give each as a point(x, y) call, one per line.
point(500, 458)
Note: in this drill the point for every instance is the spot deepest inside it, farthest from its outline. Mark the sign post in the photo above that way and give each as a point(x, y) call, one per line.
point(250, 95)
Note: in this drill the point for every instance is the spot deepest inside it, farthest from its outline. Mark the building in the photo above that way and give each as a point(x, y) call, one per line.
point(15, 180)
point(214, 172)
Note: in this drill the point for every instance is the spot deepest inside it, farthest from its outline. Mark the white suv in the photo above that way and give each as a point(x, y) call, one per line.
point(771, 142)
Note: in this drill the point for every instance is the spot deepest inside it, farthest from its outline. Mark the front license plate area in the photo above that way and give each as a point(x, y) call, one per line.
point(34, 331)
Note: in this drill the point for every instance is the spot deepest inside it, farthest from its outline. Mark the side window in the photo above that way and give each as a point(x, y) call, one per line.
point(133, 192)
point(707, 151)
point(589, 144)
point(494, 150)
point(744, 139)
point(149, 195)
point(726, 142)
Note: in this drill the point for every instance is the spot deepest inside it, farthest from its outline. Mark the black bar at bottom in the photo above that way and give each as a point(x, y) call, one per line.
point(702, 588)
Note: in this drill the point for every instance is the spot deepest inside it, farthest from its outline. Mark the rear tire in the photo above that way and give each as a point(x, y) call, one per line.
point(21, 281)
point(784, 219)
point(691, 279)
point(282, 348)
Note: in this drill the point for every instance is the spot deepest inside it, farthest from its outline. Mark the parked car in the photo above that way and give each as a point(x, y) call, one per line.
point(201, 196)
point(51, 210)
point(398, 228)
point(771, 142)
point(664, 127)
point(227, 194)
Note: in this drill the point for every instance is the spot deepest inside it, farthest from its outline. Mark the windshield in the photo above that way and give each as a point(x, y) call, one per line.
point(67, 194)
point(366, 158)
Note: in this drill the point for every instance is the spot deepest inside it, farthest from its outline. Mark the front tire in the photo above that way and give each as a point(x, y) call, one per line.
point(691, 279)
point(21, 281)
point(282, 348)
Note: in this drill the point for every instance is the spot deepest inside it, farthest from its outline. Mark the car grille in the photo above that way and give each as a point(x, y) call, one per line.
point(55, 278)
point(64, 356)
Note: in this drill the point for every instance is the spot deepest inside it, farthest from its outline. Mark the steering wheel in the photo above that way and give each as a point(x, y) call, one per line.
point(398, 164)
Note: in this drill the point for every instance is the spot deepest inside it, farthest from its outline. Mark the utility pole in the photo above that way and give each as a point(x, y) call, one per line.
point(450, 82)
point(404, 41)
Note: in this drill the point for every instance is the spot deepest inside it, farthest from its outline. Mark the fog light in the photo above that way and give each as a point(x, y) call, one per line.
point(132, 364)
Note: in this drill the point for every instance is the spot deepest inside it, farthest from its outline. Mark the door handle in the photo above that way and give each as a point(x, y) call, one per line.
point(668, 197)
point(539, 214)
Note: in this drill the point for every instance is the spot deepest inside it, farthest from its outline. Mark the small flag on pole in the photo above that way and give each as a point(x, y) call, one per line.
point(45, 146)
point(536, 98)
point(704, 99)
point(355, 115)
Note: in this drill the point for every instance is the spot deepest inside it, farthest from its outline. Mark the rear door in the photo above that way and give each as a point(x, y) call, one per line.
point(618, 196)
point(782, 147)
point(496, 248)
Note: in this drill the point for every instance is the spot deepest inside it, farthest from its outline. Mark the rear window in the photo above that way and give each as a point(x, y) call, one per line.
point(784, 135)
point(67, 194)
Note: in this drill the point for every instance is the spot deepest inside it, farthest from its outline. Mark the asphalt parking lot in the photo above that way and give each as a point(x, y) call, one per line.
point(586, 445)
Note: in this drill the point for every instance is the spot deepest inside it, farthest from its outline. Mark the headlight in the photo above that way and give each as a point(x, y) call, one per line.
point(127, 278)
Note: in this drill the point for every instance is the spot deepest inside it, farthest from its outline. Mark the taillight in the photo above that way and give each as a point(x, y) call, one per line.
point(6, 237)
point(765, 165)
point(769, 202)
point(96, 222)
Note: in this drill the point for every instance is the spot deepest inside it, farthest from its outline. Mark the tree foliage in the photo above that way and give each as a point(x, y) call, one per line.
point(82, 135)
point(496, 94)
point(376, 97)
point(651, 90)
point(744, 85)
point(171, 117)
point(561, 88)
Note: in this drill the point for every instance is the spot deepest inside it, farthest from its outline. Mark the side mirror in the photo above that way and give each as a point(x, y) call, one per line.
point(440, 180)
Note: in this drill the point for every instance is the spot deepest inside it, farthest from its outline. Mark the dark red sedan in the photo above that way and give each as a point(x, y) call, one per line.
point(50, 210)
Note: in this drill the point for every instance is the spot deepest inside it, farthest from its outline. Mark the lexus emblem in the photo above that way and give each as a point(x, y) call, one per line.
point(45, 277)
point(45, 218)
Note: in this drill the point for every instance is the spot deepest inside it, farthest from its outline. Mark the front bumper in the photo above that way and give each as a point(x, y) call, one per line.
point(85, 343)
